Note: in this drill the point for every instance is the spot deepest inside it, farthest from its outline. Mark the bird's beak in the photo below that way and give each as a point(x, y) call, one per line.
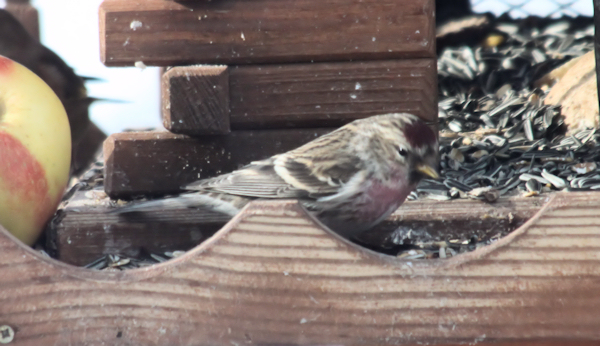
point(427, 171)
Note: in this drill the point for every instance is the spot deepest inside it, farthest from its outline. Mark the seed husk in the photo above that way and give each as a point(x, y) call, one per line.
point(557, 182)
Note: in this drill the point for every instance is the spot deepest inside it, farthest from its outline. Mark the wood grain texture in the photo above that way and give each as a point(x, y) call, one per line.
point(274, 276)
point(84, 231)
point(195, 100)
point(158, 163)
point(330, 94)
point(296, 95)
point(167, 33)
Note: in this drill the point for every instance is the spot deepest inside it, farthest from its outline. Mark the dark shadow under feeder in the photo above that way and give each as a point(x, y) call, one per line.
point(458, 225)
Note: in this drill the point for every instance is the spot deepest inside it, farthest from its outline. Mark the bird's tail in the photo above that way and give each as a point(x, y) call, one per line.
point(217, 202)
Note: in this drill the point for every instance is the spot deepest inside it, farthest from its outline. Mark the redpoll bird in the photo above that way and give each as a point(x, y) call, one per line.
point(351, 179)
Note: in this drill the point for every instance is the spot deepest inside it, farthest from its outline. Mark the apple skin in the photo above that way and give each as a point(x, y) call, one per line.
point(35, 151)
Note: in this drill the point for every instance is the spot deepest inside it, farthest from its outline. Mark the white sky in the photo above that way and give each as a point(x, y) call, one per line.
point(70, 28)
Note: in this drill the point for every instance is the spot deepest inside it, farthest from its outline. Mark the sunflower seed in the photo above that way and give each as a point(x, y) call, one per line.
point(98, 264)
point(584, 168)
point(528, 127)
point(488, 194)
point(455, 125)
point(457, 155)
point(479, 154)
point(533, 185)
point(453, 183)
point(119, 263)
point(558, 182)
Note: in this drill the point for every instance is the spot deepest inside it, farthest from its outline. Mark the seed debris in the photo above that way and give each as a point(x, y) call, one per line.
point(495, 131)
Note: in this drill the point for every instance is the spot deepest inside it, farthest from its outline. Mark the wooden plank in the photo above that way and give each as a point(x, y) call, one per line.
point(297, 95)
point(85, 232)
point(26, 14)
point(158, 163)
point(168, 33)
point(330, 94)
point(347, 297)
point(195, 100)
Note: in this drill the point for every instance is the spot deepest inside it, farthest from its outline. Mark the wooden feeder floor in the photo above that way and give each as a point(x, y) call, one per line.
point(83, 231)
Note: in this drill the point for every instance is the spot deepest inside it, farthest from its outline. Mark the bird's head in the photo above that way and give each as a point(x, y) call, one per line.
point(407, 144)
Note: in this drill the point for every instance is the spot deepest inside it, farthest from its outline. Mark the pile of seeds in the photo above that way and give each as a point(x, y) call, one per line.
point(497, 136)
point(113, 262)
point(445, 249)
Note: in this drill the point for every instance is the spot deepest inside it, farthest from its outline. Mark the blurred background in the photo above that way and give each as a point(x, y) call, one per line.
point(542, 8)
point(70, 28)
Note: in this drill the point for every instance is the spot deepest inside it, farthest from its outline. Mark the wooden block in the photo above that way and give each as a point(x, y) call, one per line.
point(273, 276)
point(302, 95)
point(156, 163)
point(168, 33)
point(85, 232)
point(26, 14)
point(195, 100)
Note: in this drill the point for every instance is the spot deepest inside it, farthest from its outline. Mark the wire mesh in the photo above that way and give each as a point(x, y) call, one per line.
point(542, 8)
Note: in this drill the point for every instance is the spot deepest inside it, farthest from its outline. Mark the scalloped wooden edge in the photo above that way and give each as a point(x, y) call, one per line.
point(275, 275)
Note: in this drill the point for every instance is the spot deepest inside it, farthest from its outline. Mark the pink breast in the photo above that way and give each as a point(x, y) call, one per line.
point(380, 199)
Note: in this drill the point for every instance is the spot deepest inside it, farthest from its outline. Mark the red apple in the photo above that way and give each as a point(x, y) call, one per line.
point(35, 151)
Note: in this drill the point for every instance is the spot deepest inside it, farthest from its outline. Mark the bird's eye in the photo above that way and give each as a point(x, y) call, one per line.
point(402, 151)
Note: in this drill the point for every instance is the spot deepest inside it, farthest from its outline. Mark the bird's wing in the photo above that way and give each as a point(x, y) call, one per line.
point(322, 166)
point(316, 169)
point(257, 180)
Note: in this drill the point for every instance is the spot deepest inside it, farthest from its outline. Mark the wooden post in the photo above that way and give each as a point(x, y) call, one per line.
point(26, 14)
point(195, 100)
point(168, 33)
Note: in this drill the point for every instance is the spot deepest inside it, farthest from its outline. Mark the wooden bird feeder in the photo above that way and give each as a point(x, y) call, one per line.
point(250, 79)
point(275, 276)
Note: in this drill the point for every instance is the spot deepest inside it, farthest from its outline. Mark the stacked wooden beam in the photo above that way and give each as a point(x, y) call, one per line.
point(245, 80)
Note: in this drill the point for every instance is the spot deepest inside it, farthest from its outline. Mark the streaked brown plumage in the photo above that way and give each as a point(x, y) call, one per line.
point(351, 178)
